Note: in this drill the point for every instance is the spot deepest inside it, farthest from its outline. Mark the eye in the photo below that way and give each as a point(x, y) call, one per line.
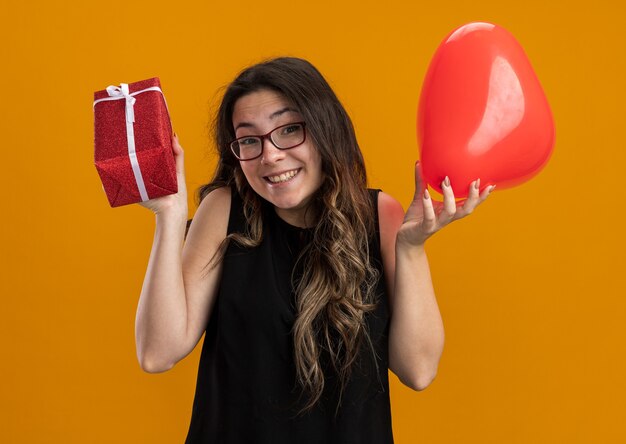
point(247, 141)
point(290, 129)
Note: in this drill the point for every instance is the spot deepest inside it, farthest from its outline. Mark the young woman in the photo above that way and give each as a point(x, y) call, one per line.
point(309, 285)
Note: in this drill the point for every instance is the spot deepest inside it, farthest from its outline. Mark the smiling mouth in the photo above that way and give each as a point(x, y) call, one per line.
point(285, 177)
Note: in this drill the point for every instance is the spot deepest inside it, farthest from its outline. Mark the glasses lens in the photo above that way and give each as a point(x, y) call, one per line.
point(288, 136)
point(246, 147)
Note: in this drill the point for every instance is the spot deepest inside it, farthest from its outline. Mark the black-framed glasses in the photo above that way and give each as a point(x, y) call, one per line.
point(283, 137)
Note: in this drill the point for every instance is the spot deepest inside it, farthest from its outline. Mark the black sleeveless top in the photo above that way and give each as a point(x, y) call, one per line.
point(246, 390)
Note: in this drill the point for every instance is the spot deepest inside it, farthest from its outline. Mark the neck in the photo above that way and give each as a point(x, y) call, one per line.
point(305, 218)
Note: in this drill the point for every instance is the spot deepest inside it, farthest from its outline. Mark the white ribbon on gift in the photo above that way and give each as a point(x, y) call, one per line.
point(119, 93)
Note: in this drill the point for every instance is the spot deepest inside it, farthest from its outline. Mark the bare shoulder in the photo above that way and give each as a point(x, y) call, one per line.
point(217, 200)
point(210, 223)
point(390, 214)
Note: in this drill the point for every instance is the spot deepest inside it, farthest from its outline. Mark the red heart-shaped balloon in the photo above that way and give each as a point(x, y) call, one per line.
point(482, 112)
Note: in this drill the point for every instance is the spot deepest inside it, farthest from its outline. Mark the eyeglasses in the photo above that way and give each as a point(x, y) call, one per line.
point(283, 137)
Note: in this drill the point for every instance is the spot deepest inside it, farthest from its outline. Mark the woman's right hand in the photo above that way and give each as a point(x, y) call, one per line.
point(173, 203)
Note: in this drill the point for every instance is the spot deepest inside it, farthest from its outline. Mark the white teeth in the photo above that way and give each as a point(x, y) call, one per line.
point(283, 177)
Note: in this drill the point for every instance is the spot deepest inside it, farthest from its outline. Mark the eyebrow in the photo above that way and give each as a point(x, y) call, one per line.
point(272, 116)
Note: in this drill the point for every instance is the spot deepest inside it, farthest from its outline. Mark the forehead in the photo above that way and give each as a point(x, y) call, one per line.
point(259, 106)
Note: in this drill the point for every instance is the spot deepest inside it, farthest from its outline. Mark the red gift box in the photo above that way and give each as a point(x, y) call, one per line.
point(133, 142)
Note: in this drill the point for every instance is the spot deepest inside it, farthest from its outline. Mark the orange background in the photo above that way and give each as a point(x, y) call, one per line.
point(531, 286)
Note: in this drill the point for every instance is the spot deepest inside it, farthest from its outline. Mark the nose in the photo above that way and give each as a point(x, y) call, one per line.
point(271, 154)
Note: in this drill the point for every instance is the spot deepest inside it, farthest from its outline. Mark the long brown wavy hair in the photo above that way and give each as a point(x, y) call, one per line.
point(336, 288)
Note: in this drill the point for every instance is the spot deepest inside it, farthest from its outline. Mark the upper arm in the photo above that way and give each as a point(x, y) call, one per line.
point(206, 233)
point(390, 218)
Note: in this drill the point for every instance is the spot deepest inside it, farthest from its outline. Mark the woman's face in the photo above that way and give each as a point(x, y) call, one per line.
point(286, 178)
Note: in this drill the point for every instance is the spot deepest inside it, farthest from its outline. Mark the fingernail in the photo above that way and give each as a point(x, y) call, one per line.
point(493, 187)
point(477, 184)
point(426, 195)
point(447, 181)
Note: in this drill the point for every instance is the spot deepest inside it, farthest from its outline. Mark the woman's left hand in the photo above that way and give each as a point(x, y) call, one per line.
point(425, 217)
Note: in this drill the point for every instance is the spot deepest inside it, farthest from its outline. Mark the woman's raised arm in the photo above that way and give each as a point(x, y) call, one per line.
point(178, 292)
point(416, 335)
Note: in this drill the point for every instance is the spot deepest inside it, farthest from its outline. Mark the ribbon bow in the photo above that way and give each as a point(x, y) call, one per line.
point(122, 90)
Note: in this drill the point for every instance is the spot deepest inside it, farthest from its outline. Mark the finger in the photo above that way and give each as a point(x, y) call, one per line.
point(449, 205)
point(472, 201)
point(487, 192)
point(179, 155)
point(419, 183)
point(429, 221)
point(176, 143)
